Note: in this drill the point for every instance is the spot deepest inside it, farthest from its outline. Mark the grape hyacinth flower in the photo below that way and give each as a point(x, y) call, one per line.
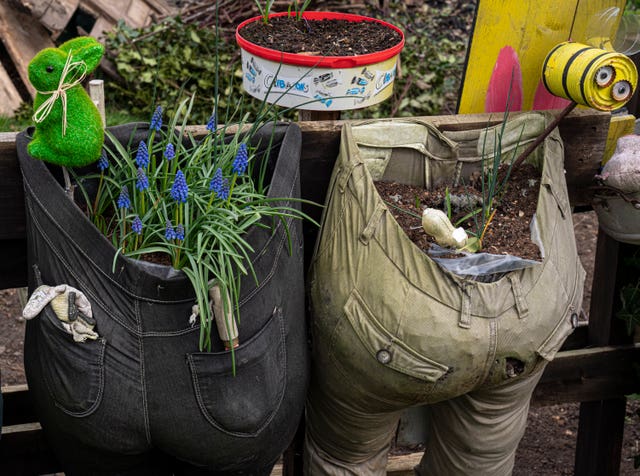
point(156, 119)
point(224, 190)
point(142, 156)
point(217, 183)
point(169, 233)
point(179, 232)
point(180, 189)
point(136, 225)
point(142, 183)
point(169, 152)
point(103, 162)
point(211, 123)
point(241, 160)
point(123, 200)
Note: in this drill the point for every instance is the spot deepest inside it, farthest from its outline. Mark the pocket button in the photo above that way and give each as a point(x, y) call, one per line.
point(383, 356)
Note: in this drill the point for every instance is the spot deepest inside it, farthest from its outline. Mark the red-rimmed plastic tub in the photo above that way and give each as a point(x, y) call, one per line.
point(319, 83)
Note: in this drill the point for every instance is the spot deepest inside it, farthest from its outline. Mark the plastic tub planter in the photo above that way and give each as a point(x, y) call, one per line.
point(318, 83)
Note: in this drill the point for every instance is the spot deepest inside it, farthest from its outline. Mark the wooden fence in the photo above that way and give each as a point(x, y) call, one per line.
point(595, 367)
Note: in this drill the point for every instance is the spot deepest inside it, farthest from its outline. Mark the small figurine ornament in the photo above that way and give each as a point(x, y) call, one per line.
point(69, 130)
point(622, 170)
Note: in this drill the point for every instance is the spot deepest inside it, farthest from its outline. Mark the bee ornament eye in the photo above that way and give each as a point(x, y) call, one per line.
point(605, 76)
point(49, 69)
point(621, 90)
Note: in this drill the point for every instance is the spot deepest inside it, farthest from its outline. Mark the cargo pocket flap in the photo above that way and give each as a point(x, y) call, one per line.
point(552, 344)
point(386, 348)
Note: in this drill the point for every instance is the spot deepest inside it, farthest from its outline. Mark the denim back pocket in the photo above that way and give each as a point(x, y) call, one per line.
point(73, 371)
point(244, 404)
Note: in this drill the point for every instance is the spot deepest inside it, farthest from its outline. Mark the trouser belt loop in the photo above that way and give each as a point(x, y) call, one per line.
point(345, 174)
point(370, 228)
point(521, 302)
point(458, 172)
point(465, 306)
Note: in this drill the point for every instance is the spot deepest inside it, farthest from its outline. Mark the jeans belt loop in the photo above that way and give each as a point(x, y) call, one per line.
point(521, 302)
point(465, 306)
point(372, 224)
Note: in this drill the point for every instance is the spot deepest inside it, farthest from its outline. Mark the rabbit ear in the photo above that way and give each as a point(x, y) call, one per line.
point(84, 48)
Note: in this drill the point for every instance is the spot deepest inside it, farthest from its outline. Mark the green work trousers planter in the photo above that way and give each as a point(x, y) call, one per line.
point(392, 329)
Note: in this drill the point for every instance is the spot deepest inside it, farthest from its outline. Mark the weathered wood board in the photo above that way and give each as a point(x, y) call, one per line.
point(524, 31)
point(135, 13)
point(9, 96)
point(23, 38)
point(53, 14)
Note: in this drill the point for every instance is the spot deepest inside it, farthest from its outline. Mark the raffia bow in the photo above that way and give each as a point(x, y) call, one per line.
point(70, 68)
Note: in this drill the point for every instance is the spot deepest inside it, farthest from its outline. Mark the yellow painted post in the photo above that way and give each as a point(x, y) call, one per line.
point(618, 127)
point(531, 28)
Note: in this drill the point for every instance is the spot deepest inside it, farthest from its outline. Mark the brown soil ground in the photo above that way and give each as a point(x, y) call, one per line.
point(507, 232)
point(548, 446)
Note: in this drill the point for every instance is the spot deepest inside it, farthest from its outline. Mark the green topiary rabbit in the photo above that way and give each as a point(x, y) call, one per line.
point(69, 129)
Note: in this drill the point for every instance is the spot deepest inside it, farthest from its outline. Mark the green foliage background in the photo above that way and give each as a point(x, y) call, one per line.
point(162, 62)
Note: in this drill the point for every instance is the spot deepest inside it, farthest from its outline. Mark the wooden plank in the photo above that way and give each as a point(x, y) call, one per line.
point(23, 38)
point(53, 14)
point(601, 426)
point(588, 375)
point(136, 13)
point(11, 99)
point(99, 27)
point(402, 465)
point(112, 10)
point(18, 408)
point(600, 436)
point(13, 266)
point(11, 193)
point(24, 450)
point(584, 133)
point(621, 125)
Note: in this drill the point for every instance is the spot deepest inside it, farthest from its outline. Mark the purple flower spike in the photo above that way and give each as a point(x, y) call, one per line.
point(169, 151)
point(136, 225)
point(123, 200)
point(241, 160)
point(179, 190)
point(224, 190)
point(180, 232)
point(103, 162)
point(212, 124)
point(143, 182)
point(156, 119)
point(142, 156)
point(216, 184)
point(170, 233)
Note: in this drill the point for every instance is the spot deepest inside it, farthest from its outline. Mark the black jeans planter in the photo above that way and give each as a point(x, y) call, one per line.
point(141, 399)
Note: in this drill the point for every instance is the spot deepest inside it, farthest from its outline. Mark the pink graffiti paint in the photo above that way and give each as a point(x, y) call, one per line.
point(544, 100)
point(505, 83)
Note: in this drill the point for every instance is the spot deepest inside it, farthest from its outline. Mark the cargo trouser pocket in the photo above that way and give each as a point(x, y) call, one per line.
point(73, 371)
point(385, 347)
point(245, 403)
point(554, 341)
point(569, 321)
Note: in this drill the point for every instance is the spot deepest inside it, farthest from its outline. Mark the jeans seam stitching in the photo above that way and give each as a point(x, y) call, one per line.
point(147, 429)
